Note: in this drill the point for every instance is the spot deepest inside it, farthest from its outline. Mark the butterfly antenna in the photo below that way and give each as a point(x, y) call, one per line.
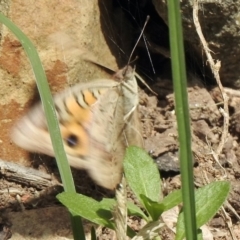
point(149, 56)
point(144, 26)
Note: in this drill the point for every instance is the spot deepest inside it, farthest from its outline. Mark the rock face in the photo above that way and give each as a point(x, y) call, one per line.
point(65, 33)
point(220, 22)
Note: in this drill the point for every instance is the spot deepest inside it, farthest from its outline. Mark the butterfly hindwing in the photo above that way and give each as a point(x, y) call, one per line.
point(107, 141)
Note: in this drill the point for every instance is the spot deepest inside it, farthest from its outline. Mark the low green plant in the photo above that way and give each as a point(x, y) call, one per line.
point(140, 171)
point(143, 178)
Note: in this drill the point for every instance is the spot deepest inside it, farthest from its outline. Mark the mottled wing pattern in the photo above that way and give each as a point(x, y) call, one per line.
point(74, 114)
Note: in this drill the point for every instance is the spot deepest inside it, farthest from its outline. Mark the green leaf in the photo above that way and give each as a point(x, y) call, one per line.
point(88, 208)
point(172, 199)
point(108, 203)
point(208, 201)
point(154, 209)
point(92, 210)
point(142, 174)
point(134, 210)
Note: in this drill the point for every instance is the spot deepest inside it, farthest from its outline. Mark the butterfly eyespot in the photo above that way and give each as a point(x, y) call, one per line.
point(72, 140)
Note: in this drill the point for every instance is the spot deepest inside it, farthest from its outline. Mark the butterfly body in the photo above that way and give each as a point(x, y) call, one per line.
point(97, 121)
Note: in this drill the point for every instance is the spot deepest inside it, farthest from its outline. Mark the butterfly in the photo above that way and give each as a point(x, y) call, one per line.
point(97, 120)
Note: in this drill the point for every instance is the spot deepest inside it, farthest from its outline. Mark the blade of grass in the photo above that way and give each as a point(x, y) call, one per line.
point(51, 117)
point(183, 119)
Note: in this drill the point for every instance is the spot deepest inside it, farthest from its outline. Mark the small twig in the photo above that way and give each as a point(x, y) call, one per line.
point(215, 157)
point(215, 70)
point(232, 92)
point(28, 176)
point(225, 112)
point(20, 203)
point(229, 206)
point(228, 221)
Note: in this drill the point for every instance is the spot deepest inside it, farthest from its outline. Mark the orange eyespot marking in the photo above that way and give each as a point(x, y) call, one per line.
point(75, 139)
point(89, 98)
point(79, 113)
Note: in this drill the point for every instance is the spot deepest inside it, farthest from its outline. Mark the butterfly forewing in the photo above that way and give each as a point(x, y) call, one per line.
point(98, 120)
point(31, 131)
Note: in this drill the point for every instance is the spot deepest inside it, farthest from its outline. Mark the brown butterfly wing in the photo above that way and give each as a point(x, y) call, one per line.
point(116, 129)
point(74, 113)
point(107, 146)
point(31, 132)
point(97, 121)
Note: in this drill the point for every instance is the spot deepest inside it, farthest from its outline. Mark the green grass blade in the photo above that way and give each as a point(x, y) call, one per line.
point(183, 119)
point(47, 102)
point(51, 117)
